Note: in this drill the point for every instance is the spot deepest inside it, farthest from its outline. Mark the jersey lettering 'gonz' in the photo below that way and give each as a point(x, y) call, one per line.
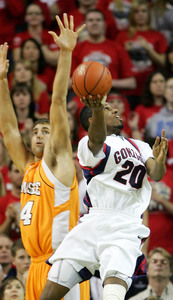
point(120, 165)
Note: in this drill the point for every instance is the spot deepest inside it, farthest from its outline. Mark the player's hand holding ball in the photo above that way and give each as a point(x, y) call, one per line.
point(91, 81)
point(94, 102)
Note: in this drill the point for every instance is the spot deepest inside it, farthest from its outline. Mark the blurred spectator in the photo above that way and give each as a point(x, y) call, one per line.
point(2, 186)
point(145, 46)
point(159, 270)
point(4, 161)
point(161, 18)
point(74, 106)
point(21, 259)
point(34, 19)
point(10, 205)
point(120, 10)
point(11, 14)
point(24, 106)
point(160, 219)
point(168, 68)
point(73, 128)
point(152, 99)
point(31, 50)
point(23, 73)
point(79, 17)
point(58, 7)
point(12, 288)
point(5, 256)
point(98, 48)
point(164, 118)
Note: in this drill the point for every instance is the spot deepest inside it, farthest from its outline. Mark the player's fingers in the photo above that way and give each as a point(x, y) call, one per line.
point(71, 23)
point(4, 50)
point(60, 24)
point(163, 133)
point(80, 29)
point(65, 21)
point(54, 35)
point(157, 140)
point(7, 65)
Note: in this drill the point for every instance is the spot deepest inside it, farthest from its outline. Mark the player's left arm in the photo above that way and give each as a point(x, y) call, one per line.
point(156, 167)
point(59, 145)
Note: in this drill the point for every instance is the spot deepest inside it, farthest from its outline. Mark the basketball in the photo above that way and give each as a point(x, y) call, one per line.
point(91, 78)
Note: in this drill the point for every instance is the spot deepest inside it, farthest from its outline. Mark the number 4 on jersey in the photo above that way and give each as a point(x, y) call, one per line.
point(25, 214)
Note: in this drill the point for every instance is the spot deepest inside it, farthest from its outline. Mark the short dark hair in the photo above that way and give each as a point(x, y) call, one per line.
point(41, 121)
point(18, 244)
point(95, 10)
point(85, 114)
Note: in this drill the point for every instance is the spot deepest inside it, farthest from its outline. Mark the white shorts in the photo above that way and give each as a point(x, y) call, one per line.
point(106, 241)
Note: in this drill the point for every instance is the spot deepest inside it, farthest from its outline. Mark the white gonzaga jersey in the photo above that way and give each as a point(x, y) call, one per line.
point(117, 176)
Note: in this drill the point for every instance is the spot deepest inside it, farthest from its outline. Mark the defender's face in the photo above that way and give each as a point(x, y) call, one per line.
point(113, 121)
point(40, 135)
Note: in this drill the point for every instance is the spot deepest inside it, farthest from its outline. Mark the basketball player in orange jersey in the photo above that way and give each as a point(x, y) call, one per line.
point(49, 193)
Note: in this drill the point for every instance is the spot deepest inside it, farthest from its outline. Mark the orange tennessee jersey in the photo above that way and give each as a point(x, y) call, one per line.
point(48, 210)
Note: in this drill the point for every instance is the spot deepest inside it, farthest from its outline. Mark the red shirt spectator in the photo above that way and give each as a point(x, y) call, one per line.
point(11, 14)
point(112, 55)
point(142, 65)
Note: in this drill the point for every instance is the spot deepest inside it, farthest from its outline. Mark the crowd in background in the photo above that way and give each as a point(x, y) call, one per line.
point(134, 39)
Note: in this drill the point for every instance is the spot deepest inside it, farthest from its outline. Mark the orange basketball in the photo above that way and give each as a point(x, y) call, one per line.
point(91, 78)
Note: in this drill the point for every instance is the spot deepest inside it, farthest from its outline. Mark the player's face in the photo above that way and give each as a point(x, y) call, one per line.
point(14, 290)
point(40, 136)
point(158, 266)
point(113, 121)
point(95, 24)
point(21, 261)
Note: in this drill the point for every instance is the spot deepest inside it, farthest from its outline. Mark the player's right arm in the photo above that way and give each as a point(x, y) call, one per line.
point(8, 121)
point(97, 130)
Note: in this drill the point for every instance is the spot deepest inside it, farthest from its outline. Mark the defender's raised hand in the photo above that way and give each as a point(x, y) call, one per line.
point(68, 37)
point(160, 148)
point(4, 63)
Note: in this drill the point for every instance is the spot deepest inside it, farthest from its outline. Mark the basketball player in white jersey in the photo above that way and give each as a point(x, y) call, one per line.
point(109, 237)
